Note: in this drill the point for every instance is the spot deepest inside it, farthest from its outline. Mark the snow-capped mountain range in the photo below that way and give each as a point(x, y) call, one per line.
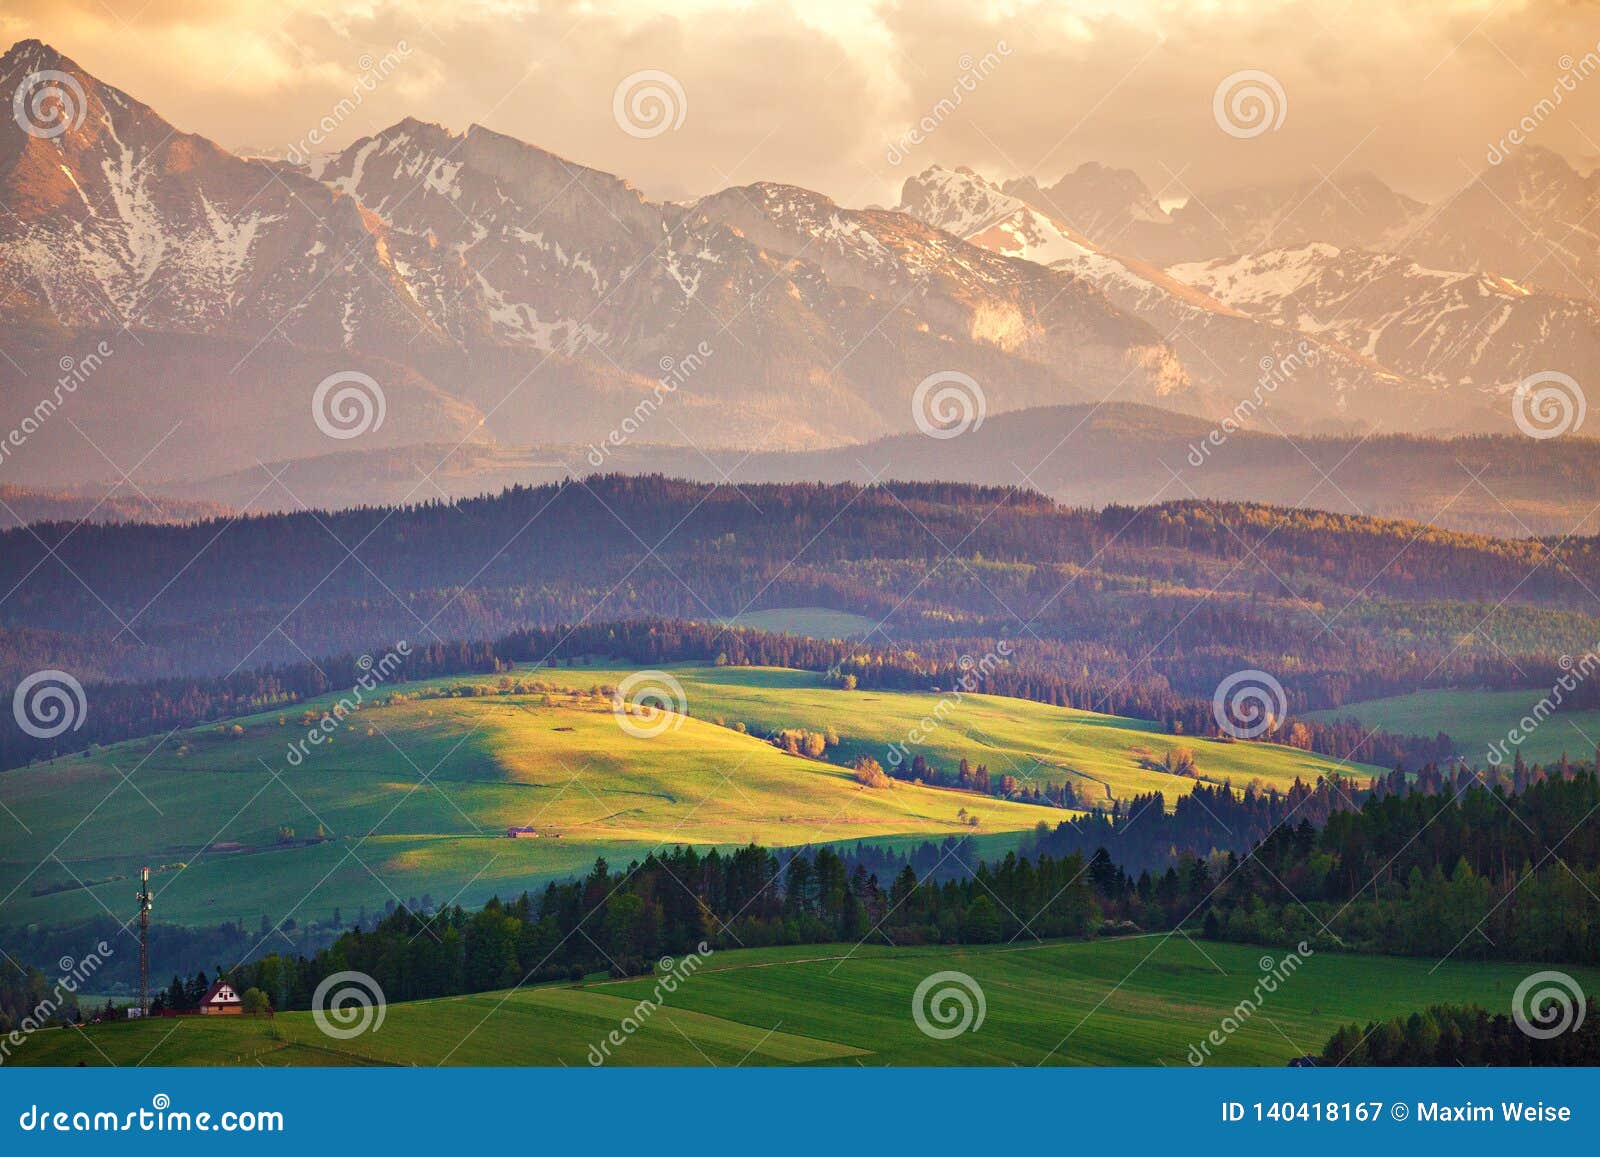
point(498, 292)
point(1396, 344)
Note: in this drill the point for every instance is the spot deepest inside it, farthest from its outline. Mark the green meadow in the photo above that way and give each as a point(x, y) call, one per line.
point(412, 796)
point(1142, 1000)
point(1105, 757)
point(1477, 719)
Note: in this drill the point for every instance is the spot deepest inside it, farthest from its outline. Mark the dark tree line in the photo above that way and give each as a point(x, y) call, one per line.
point(620, 921)
point(623, 921)
point(1445, 1035)
point(1473, 867)
point(28, 995)
point(440, 545)
point(182, 995)
point(1140, 833)
point(967, 777)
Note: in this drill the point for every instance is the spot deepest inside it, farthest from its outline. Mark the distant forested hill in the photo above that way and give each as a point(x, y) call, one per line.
point(1129, 606)
point(1176, 586)
point(20, 506)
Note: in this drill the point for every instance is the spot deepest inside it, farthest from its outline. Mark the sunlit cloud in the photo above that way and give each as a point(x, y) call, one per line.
point(815, 93)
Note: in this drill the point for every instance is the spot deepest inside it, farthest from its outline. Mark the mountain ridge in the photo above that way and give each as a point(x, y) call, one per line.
point(1123, 453)
point(543, 295)
point(497, 293)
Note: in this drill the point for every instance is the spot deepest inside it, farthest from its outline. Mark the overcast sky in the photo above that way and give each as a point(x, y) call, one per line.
point(819, 93)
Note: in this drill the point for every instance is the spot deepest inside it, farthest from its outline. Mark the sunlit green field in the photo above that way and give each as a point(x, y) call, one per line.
point(1143, 1000)
point(1103, 756)
point(416, 798)
point(411, 799)
point(1477, 719)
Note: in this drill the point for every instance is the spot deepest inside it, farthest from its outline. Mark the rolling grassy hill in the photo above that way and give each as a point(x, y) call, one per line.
point(1477, 719)
point(1140, 1000)
point(1103, 756)
point(412, 796)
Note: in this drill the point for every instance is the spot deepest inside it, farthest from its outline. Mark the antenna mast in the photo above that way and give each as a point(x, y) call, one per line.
point(144, 899)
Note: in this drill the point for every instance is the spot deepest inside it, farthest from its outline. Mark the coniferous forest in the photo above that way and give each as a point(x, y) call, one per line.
point(1211, 583)
point(1484, 868)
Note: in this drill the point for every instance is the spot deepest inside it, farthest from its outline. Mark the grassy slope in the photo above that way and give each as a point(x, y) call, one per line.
point(1476, 719)
point(489, 763)
point(1142, 1000)
point(1032, 741)
point(416, 795)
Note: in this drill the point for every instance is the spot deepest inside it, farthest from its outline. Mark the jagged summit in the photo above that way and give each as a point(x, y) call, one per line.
point(484, 275)
point(496, 277)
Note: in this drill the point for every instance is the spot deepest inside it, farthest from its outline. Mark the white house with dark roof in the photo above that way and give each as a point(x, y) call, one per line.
point(221, 999)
